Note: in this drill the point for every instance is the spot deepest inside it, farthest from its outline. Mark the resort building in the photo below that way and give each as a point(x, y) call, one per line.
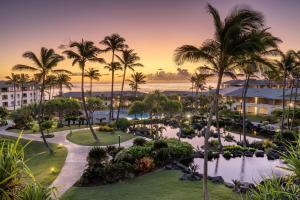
point(24, 95)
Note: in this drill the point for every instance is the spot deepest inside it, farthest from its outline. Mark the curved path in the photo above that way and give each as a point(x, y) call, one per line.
point(76, 159)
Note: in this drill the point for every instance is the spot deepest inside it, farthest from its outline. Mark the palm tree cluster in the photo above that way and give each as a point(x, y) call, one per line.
point(241, 35)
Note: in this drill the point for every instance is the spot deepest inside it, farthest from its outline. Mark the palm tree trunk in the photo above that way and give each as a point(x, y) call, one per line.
point(289, 108)
point(295, 99)
point(283, 103)
point(192, 95)
point(84, 106)
point(244, 95)
point(91, 87)
point(111, 114)
point(14, 96)
point(121, 95)
point(22, 95)
point(207, 132)
point(60, 90)
point(34, 92)
point(41, 116)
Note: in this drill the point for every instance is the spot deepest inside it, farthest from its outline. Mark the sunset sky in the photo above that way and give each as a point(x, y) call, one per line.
point(154, 28)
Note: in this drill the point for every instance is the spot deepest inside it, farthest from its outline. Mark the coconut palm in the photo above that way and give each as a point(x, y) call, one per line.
point(92, 74)
point(286, 64)
point(14, 80)
point(296, 76)
point(128, 59)
point(113, 43)
point(23, 81)
point(112, 67)
point(35, 81)
point(44, 64)
point(137, 78)
point(82, 52)
point(234, 37)
point(50, 83)
point(63, 80)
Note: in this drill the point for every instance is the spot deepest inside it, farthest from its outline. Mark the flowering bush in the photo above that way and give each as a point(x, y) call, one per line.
point(145, 164)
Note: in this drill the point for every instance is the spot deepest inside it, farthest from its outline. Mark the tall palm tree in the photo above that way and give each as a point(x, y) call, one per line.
point(44, 64)
point(35, 81)
point(23, 81)
point(92, 74)
point(296, 76)
point(112, 67)
point(14, 80)
point(234, 37)
point(286, 65)
point(51, 83)
point(192, 79)
point(63, 80)
point(137, 79)
point(82, 52)
point(113, 43)
point(129, 59)
point(200, 81)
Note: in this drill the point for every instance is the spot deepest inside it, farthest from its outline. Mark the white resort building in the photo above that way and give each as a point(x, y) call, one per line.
point(25, 95)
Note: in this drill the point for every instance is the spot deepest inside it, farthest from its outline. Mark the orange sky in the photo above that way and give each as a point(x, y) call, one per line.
point(153, 28)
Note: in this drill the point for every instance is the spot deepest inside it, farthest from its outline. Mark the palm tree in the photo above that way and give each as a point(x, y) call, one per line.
point(35, 80)
point(50, 83)
point(63, 80)
point(296, 76)
point(14, 80)
point(234, 37)
point(192, 79)
point(92, 74)
point(113, 43)
point(44, 64)
point(112, 67)
point(84, 51)
point(286, 65)
point(129, 60)
point(137, 79)
point(23, 80)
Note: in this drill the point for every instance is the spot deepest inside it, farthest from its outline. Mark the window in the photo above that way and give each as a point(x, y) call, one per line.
point(30, 94)
point(18, 103)
point(4, 97)
point(24, 94)
point(18, 95)
point(11, 96)
point(25, 101)
point(5, 104)
point(12, 103)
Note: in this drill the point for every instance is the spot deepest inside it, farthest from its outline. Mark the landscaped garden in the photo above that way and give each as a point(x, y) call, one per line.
point(161, 184)
point(84, 137)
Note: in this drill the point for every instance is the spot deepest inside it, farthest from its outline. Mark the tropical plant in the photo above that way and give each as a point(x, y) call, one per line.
point(93, 104)
point(92, 74)
point(129, 59)
point(63, 80)
point(286, 65)
point(137, 108)
point(236, 36)
point(50, 83)
point(14, 80)
point(23, 80)
point(113, 43)
point(137, 78)
point(43, 65)
point(37, 192)
point(84, 51)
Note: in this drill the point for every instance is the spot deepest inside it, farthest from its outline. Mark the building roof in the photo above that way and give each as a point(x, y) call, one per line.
point(102, 94)
point(252, 82)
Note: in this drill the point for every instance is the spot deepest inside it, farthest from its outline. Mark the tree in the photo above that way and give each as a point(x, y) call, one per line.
point(23, 80)
point(137, 78)
point(50, 83)
point(92, 74)
point(137, 108)
point(93, 104)
point(112, 67)
point(63, 80)
point(129, 60)
point(14, 80)
point(155, 103)
point(193, 80)
point(172, 107)
point(113, 44)
point(84, 51)
point(236, 36)
point(286, 65)
point(43, 65)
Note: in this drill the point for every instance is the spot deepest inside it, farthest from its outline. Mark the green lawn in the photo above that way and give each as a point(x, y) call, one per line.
point(73, 127)
point(159, 185)
point(85, 137)
point(41, 163)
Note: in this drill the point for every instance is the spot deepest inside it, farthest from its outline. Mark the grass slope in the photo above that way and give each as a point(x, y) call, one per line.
point(41, 163)
point(159, 185)
point(85, 137)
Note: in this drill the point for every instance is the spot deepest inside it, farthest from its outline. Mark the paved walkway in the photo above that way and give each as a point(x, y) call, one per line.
point(76, 159)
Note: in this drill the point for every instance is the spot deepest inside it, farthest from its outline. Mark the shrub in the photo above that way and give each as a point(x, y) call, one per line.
point(267, 144)
point(188, 131)
point(113, 150)
point(97, 156)
point(118, 171)
point(227, 154)
point(36, 191)
point(179, 150)
point(105, 128)
point(162, 156)
point(158, 144)
point(139, 141)
point(123, 124)
point(289, 135)
point(133, 153)
point(46, 125)
point(214, 143)
point(145, 164)
point(22, 118)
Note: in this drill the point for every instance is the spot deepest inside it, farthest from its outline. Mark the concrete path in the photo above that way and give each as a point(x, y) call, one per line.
point(76, 159)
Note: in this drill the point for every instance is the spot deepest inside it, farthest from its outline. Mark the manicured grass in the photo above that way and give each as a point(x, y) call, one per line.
point(41, 163)
point(159, 185)
point(257, 118)
point(52, 130)
point(85, 137)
